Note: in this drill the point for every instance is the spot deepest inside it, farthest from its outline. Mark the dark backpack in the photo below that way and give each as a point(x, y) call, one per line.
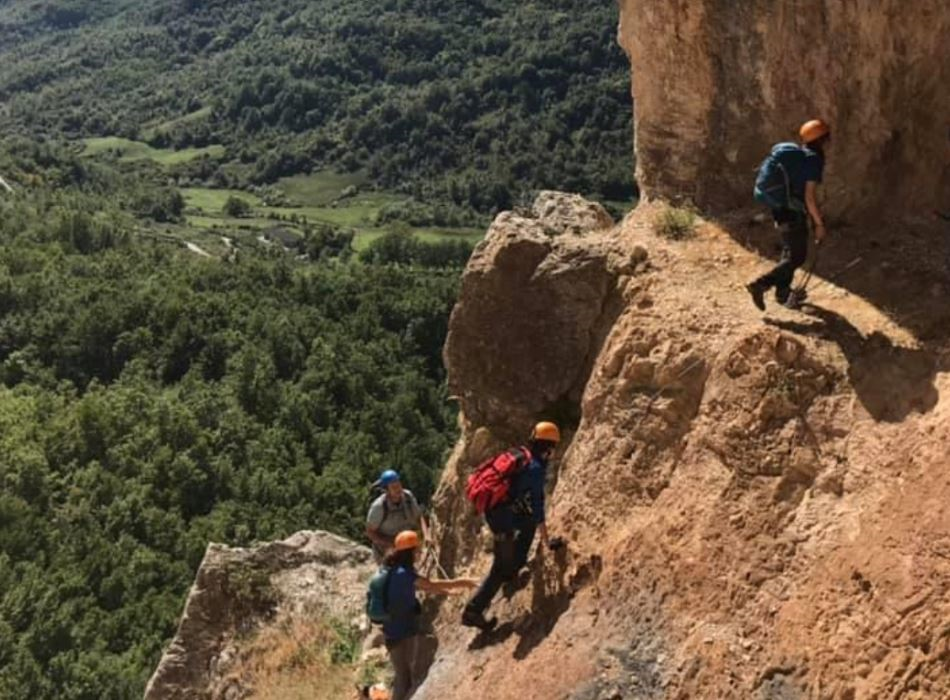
point(489, 484)
point(377, 597)
point(773, 186)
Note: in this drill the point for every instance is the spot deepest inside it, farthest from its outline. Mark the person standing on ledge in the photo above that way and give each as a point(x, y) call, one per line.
point(787, 184)
point(401, 628)
point(396, 510)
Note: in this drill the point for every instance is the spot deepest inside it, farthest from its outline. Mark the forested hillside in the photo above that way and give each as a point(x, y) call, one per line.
point(152, 400)
point(230, 240)
point(473, 103)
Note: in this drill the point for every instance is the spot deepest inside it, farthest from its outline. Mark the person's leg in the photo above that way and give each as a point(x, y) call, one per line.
point(758, 287)
point(416, 666)
point(400, 654)
point(796, 245)
point(524, 538)
point(794, 254)
point(501, 570)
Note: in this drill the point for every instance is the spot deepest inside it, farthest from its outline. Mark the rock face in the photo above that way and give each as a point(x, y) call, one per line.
point(238, 590)
point(754, 507)
point(753, 510)
point(536, 297)
point(716, 83)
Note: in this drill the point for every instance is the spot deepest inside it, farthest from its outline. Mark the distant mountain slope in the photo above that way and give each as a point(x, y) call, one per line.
point(470, 102)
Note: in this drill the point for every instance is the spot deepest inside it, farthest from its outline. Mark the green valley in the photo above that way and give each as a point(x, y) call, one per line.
point(231, 242)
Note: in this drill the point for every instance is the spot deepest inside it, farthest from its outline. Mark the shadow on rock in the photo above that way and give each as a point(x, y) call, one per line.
point(550, 598)
point(903, 268)
point(427, 649)
point(495, 636)
point(890, 381)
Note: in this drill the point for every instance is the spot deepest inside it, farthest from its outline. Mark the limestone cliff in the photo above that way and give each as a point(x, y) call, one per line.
point(715, 82)
point(755, 509)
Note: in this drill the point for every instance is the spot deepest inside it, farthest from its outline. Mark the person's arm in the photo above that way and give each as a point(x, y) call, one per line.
point(373, 521)
point(445, 587)
point(379, 540)
point(537, 501)
point(811, 203)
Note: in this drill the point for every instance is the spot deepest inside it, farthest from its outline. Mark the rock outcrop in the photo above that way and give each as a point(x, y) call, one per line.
point(753, 509)
point(237, 591)
point(715, 83)
point(537, 295)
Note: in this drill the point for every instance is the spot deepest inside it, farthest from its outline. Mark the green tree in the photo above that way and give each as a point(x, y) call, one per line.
point(237, 207)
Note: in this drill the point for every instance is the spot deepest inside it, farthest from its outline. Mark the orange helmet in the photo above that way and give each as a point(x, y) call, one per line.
point(546, 431)
point(406, 540)
point(813, 130)
point(378, 692)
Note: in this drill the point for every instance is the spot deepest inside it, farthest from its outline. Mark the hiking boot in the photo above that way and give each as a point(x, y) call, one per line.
point(758, 295)
point(474, 618)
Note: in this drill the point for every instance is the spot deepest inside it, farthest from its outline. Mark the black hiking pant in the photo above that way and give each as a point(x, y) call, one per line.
point(514, 535)
point(793, 227)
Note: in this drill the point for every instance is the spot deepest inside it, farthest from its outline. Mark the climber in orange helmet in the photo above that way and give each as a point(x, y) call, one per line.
point(787, 184)
point(401, 627)
point(514, 510)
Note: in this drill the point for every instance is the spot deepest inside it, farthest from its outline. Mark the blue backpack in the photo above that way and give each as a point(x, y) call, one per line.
point(377, 597)
point(773, 186)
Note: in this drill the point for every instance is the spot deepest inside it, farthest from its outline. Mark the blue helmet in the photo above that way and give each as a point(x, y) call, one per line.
point(388, 477)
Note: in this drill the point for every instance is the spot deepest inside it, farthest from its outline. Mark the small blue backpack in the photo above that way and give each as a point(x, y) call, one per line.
point(377, 597)
point(773, 188)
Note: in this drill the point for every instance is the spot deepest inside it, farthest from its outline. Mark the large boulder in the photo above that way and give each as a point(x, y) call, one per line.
point(533, 304)
point(237, 590)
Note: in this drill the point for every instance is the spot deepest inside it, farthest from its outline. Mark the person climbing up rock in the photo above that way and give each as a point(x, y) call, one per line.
point(394, 511)
point(402, 610)
point(509, 490)
point(787, 183)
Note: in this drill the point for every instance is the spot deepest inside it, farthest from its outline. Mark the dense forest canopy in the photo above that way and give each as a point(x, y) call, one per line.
point(155, 396)
point(470, 102)
point(152, 401)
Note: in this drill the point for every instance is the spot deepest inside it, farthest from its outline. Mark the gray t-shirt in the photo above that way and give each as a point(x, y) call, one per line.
point(389, 519)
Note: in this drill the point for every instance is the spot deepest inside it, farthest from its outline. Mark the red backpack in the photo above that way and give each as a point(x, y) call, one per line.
point(489, 484)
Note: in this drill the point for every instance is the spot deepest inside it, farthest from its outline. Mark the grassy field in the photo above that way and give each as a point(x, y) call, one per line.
point(365, 237)
point(356, 212)
point(319, 189)
point(315, 194)
point(211, 201)
point(128, 150)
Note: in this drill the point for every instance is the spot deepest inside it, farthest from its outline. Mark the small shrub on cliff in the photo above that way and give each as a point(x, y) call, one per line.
point(675, 223)
point(252, 593)
point(347, 643)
